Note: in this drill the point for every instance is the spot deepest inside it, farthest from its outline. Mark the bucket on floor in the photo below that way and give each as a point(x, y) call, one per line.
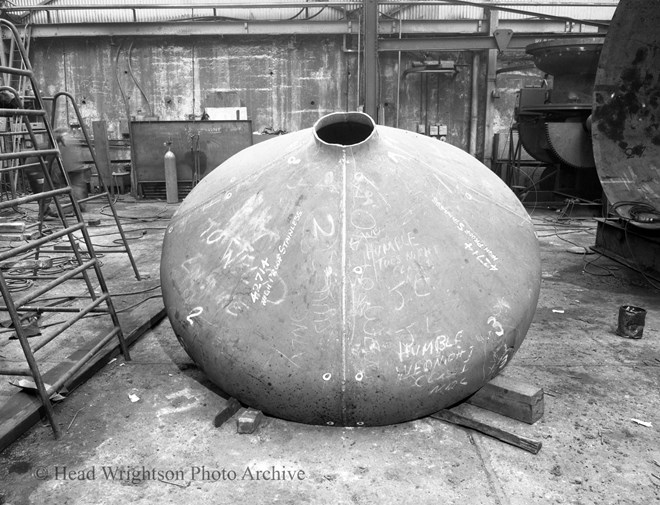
point(631, 321)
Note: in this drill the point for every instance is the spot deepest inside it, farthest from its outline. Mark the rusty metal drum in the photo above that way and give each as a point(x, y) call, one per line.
point(351, 274)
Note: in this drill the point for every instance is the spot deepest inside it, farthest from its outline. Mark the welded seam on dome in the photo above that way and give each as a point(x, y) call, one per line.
point(343, 286)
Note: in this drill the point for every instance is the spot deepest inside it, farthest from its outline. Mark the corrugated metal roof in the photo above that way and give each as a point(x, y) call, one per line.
point(601, 10)
point(155, 11)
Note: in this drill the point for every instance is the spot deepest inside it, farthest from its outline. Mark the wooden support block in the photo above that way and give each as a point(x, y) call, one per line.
point(248, 421)
point(12, 227)
point(511, 398)
point(526, 444)
point(11, 237)
point(233, 406)
point(27, 264)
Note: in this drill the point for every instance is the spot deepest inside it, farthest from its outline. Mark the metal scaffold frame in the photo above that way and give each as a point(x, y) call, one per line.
point(39, 151)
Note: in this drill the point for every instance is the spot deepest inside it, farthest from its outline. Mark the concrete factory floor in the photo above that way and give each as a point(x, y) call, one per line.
point(600, 431)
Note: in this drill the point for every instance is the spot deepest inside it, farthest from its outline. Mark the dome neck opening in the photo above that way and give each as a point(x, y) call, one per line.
point(344, 128)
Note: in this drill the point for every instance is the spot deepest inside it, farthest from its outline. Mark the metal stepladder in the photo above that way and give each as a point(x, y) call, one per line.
point(40, 153)
point(11, 57)
point(14, 59)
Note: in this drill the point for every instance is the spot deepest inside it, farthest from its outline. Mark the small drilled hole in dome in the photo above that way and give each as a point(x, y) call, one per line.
point(344, 129)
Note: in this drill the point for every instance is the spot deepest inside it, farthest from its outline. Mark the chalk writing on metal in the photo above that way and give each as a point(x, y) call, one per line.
point(475, 246)
point(267, 272)
point(196, 312)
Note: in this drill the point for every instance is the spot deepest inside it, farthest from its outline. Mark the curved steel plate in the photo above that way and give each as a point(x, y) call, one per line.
point(566, 56)
point(531, 132)
point(570, 144)
point(626, 111)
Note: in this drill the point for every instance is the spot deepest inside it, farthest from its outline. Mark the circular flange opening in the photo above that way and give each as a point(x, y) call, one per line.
point(344, 129)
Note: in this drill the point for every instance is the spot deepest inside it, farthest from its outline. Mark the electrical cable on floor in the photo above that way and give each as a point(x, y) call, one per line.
point(636, 209)
point(565, 232)
point(157, 217)
point(138, 303)
point(534, 191)
point(125, 309)
point(130, 293)
point(116, 244)
point(16, 285)
point(609, 269)
point(63, 263)
point(570, 228)
point(114, 295)
point(59, 264)
point(568, 222)
point(140, 228)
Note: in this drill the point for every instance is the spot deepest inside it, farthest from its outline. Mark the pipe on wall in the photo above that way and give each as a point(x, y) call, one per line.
point(357, 52)
point(398, 83)
point(359, 48)
point(474, 97)
point(371, 85)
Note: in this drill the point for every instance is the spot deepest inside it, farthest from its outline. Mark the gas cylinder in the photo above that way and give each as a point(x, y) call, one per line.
point(171, 182)
point(350, 274)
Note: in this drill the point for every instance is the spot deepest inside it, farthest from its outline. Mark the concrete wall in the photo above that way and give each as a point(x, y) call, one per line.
point(285, 82)
point(426, 99)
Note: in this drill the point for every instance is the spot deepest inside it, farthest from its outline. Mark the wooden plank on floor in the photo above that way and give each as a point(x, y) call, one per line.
point(232, 406)
point(23, 410)
point(524, 443)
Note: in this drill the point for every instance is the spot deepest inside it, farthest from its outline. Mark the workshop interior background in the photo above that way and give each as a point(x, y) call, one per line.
point(113, 112)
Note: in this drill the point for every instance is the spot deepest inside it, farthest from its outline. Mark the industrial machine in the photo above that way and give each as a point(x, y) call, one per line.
point(553, 121)
point(598, 130)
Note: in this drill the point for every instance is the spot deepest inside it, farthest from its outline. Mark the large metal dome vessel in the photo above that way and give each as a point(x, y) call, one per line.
point(351, 274)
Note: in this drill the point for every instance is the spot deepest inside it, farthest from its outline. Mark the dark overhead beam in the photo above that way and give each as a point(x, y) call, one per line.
point(199, 28)
point(464, 43)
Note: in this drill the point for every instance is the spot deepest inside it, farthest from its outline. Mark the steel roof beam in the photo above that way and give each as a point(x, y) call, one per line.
point(299, 27)
point(465, 43)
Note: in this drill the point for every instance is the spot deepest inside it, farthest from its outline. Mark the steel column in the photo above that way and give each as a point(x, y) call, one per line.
point(491, 78)
point(371, 58)
point(474, 104)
